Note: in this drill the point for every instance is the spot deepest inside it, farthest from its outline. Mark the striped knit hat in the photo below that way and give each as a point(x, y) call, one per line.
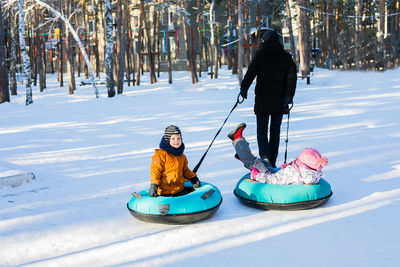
point(169, 131)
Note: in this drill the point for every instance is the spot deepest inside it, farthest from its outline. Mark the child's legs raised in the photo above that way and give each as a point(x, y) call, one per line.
point(243, 150)
point(261, 166)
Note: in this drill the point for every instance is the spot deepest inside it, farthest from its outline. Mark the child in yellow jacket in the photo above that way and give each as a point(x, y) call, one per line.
point(169, 166)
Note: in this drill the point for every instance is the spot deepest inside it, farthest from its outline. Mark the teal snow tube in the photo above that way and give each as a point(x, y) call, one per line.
point(282, 197)
point(195, 206)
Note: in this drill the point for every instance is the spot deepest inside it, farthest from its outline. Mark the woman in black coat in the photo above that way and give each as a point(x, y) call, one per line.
point(275, 88)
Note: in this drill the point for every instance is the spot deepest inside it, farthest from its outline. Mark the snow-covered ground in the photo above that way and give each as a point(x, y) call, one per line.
point(89, 154)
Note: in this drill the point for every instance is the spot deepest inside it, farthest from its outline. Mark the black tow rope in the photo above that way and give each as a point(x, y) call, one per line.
point(287, 132)
point(202, 158)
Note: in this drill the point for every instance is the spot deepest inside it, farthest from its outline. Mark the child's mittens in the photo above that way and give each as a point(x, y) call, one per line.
point(153, 190)
point(196, 182)
point(254, 173)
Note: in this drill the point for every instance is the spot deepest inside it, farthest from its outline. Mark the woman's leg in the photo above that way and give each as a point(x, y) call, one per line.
point(262, 136)
point(274, 137)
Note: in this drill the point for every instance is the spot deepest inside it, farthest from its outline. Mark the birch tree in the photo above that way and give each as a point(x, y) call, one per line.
point(24, 53)
point(109, 49)
point(381, 35)
point(214, 47)
point(4, 90)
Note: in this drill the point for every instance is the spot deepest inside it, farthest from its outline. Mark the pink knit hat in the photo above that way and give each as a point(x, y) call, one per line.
point(312, 159)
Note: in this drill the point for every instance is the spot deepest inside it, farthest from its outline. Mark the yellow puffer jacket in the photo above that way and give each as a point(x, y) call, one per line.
point(169, 172)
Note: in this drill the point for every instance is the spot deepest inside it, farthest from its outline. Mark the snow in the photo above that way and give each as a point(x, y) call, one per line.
point(89, 154)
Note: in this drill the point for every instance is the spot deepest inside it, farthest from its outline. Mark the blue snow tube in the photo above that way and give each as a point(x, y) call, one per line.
point(282, 197)
point(195, 206)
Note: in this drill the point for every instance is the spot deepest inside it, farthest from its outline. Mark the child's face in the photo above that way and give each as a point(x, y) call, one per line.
point(175, 140)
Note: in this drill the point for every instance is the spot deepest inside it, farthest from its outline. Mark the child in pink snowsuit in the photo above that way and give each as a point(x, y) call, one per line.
point(305, 169)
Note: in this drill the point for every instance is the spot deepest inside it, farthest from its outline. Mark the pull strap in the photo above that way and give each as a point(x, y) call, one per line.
point(287, 133)
point(204, 155)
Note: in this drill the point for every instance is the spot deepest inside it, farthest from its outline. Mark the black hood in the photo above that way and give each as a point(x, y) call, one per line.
point(271, 42)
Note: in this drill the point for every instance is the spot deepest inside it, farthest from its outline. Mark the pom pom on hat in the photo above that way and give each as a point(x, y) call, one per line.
point(169, 131)
point(313, 159)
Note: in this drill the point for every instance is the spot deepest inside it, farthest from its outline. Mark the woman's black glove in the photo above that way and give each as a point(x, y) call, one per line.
point(287, 104)
point(153, 190)
point(243, 93)
point(196, 182)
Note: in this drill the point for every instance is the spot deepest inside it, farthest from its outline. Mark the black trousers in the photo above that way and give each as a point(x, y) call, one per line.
point(268, 146)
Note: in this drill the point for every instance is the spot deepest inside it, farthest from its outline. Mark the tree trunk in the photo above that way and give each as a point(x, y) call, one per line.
point(121, 44)
point(60, 52)
point(235, 50)
point(147, 39)
point(229, 33)
point(4, 90)
point(24, 53)
point(96, 40)
point(156, 38)
point(128, 29)
point(189, 62)
point(13, 51)
point(38, 53)
point(168, 46)
point(304, 38)
point(213, 56)
point(329, 30)
point(86, 34)
point(381, 35)
point(246, 36)
point(139, 57)
point(199, 22)
point(70, 59)
point(109, 49)
point(240, 47)
point(289, 24)
point(217, 46)
point(42, 78)
point(34, 57)
point(356, 36)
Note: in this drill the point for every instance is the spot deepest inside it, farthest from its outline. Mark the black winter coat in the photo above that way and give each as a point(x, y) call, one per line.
point(276, 77)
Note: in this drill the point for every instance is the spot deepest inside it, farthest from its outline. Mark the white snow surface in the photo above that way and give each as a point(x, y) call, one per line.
point(89, 154)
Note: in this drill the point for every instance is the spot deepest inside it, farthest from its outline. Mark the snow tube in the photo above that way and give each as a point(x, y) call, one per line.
point(282, 197)
point(195, 206)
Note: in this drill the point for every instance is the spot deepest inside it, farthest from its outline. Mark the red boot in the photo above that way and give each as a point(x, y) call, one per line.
point(237, 132)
